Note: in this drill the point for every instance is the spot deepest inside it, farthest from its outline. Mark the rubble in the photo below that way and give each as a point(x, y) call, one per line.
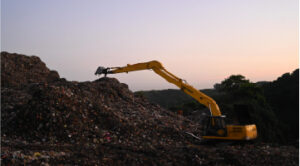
point(18, 70)
point(47, 120)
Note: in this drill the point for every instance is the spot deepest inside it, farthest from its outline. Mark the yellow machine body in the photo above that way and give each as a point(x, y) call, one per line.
point(237, 132)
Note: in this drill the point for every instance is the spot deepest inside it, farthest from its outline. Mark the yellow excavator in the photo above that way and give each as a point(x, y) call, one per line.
point(215, 127)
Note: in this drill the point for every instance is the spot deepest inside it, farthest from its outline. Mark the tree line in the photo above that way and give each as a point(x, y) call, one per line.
point(272, 106)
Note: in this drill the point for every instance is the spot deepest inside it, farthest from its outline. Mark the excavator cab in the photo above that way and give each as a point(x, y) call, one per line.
point(215, 125)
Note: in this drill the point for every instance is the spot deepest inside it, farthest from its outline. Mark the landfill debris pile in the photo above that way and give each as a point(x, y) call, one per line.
point(47, 120)
point(18, 70)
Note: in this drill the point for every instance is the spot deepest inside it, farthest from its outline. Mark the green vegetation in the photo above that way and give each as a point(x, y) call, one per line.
point(272, 106)
point(283, 96)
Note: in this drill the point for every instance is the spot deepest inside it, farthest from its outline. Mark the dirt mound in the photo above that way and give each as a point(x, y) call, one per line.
point(69, 112)
point(48, 120)
point(18, 70)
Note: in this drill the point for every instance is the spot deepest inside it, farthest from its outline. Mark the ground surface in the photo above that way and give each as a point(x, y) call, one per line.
point(47, 120)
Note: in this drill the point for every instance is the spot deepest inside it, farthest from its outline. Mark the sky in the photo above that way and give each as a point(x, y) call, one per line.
point(201, 41)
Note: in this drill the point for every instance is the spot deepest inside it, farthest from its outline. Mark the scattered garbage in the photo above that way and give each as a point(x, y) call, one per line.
point(47, 120)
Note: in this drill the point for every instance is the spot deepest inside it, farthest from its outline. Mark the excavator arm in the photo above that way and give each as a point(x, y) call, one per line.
point(160, 70)
point(215, 128)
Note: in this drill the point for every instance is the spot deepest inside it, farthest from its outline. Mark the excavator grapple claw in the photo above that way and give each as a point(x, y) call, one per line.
point(101, 70)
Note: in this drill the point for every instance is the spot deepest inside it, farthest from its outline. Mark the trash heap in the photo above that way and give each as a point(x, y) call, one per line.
point(47, 120)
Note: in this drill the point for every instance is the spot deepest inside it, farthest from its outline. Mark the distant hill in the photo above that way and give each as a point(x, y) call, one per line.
point(172, 97)
point(166, 98)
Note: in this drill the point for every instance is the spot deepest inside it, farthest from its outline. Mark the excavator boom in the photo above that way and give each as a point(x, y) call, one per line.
point(216, 125)
point(160, 70)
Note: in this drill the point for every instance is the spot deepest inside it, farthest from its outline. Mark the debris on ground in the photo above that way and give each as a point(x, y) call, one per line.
point(47, 120)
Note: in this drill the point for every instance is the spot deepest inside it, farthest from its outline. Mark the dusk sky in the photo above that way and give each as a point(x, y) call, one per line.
point(200, 41)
